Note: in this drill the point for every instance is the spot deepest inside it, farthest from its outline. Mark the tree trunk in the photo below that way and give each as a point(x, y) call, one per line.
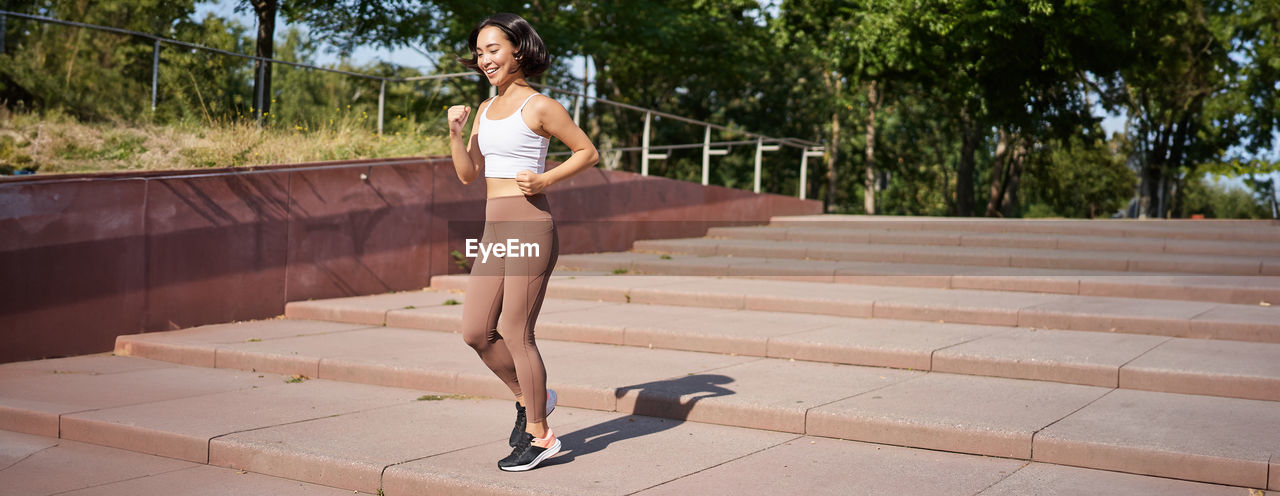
point(607, 138)
point(1175, 162)
point(964, 174)
point(1153, 172)
point(1147, 191)
point(1011, 156)
point(266, 12)
point(630, 126)
point(998, 167)
point(832, 151)
point(596, 108)
point(73, 45)
point(1021, 153)
point(869, 181)
point(1271, 190)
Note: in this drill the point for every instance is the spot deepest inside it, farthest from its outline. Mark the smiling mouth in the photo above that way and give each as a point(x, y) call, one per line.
point(491, 72)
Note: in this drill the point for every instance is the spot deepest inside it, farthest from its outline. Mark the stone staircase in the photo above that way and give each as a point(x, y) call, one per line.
point(819, 354)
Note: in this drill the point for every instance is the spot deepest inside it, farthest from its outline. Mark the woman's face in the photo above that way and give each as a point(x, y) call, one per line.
point(496, 56)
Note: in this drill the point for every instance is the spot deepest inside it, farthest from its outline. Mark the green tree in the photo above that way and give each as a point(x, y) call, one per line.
point(861, 46)
point(50, 65)
point(345, 23)
point(201, 86)
point(1215, 200)
point(1080, 177)
point(1199, 78)
point(1017, 68)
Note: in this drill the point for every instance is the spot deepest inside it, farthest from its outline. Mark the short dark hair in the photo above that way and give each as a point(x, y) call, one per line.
point(531, 53)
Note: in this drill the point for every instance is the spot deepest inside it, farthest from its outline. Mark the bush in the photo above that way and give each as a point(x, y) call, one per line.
point(1217, 200)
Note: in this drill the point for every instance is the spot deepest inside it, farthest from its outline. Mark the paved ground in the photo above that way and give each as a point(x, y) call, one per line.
point(256, 433)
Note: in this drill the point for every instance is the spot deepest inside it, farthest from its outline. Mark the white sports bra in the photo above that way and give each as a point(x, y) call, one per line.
point(509, 146)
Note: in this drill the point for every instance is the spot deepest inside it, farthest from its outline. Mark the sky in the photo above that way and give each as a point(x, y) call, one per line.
point(411, 58)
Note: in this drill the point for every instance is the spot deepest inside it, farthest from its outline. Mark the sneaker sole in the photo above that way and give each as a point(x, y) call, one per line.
point(555, 448)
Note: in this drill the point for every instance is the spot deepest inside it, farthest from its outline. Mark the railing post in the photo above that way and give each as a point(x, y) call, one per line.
point(804, 169)
point(805, 153)
point(644, 146)
point(707, 152)
point(155, 74)
point(382, 96)
point(577, 107)
point(706, 156)
point(759, 152)
point(645, 156)
point(760, 149)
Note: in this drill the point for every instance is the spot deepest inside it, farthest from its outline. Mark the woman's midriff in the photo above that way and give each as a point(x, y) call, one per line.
point(499, 186)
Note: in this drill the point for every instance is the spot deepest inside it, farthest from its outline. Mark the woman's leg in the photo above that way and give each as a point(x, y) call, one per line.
point(480, 309)
point(524, 287)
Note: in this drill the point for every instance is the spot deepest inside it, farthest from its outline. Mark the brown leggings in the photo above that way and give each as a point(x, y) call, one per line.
point(512, 285)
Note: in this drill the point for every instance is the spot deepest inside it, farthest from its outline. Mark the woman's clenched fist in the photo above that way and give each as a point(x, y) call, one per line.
point(458, 118)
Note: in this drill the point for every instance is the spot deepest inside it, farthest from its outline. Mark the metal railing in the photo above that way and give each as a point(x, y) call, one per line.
point(709, 148)
point(264, 62)
point(807, 148)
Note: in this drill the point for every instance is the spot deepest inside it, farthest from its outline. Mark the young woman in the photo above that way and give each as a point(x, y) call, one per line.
point(504, 291)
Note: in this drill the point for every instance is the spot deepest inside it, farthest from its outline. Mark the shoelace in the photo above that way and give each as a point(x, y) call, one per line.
point(524, 444)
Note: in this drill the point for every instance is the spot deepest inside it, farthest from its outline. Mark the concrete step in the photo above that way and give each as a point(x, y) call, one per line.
point(1244, 290)
point(1136, 263)
point(39, 465)
point(1187, 319)
point(398, 442)
point(1238, 230)
point(1154, 363)
point(1201, 438)
point(1048, 241)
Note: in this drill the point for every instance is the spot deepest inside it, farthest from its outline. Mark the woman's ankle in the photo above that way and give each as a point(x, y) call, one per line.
point(538, 430)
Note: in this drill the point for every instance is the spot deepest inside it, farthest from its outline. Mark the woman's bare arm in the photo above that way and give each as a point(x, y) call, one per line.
point(554, 120)
point(467, 159)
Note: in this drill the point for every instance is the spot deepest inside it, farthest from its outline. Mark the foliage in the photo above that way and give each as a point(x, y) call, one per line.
point(1215, 200)
point(975, 102)
point(76, 68)
point(1080, 178)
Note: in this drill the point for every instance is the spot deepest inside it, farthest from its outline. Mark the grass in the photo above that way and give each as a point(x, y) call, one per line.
point(438, 397)
point(459, 259)
point(52, 142)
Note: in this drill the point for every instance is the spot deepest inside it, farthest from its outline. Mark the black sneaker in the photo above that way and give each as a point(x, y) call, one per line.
point(526, 456)
point(519, 428)
point(521, 421)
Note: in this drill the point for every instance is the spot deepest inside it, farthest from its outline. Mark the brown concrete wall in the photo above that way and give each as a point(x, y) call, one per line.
point(85, 258)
